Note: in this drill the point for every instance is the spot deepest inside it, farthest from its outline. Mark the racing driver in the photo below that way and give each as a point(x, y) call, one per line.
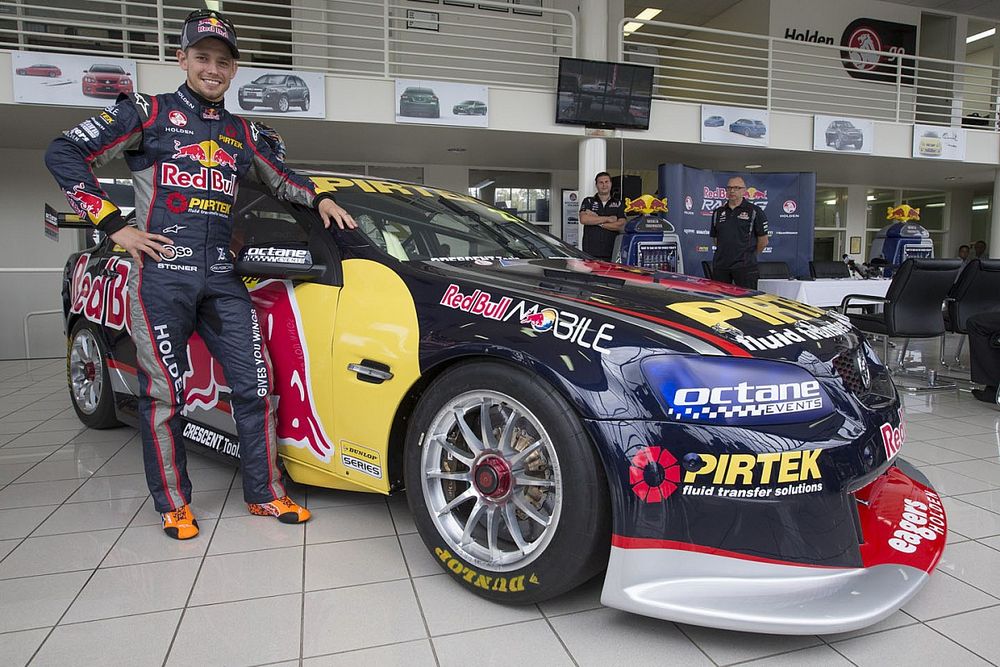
point(187, 154)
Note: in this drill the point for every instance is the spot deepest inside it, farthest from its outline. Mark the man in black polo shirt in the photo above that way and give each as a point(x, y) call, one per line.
point(740, 232)
point(602, 216)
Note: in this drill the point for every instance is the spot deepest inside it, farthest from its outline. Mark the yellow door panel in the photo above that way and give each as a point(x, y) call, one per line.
point(376, 321)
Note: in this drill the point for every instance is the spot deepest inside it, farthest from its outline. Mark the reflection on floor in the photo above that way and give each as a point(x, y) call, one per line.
point(87, 577)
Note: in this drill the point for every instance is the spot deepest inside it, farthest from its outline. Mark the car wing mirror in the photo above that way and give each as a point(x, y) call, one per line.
point(277, 261)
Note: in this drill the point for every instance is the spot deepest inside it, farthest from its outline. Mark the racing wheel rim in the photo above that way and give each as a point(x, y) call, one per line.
point(491, 480)
point(86, 371)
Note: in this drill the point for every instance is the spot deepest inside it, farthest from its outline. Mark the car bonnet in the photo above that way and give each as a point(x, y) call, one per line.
point(683, 311)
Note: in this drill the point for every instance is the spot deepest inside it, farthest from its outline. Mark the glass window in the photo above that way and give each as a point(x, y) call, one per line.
point(830, 223)
point(428, 223)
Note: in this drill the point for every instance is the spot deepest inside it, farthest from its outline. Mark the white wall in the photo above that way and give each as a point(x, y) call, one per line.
point(27, 186)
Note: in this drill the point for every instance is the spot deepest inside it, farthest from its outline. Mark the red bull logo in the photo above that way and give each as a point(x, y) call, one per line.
point(87, 204)
point(646, 205)
point(194, 151)
point(543, 320)
point(903, 213)
point(206, 153)
point(203, 179)
point(224, 159)
point(753, 194)
point(101, 295)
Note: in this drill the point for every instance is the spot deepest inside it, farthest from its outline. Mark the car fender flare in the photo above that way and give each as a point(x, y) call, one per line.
point(460, 356)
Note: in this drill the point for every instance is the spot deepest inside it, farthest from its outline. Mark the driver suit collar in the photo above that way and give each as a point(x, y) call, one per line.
point(199, 104)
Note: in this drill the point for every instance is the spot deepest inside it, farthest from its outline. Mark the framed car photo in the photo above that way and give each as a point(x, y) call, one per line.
point(274, 92)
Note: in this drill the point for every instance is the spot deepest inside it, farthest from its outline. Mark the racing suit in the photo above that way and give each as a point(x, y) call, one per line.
point(186, 156)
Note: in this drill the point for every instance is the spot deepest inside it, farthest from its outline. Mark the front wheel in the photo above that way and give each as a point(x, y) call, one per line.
point(88, 377)
point(505, 486)
point(282, 104)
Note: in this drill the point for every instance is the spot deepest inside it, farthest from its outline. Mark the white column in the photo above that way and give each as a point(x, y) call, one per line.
point(994, 243)
point(593, 30)
point(593, 46)
point(857, 217)
point(616, 12)
point(593, 160)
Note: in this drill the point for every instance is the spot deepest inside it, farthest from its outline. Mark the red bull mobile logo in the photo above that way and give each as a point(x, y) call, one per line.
point(542, 320)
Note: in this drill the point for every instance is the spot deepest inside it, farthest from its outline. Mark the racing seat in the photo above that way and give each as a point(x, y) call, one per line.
point(381, 237)
point(977, 290)
point(773, 270)
point(911, 309)
point(823, 269)
point(706, 268)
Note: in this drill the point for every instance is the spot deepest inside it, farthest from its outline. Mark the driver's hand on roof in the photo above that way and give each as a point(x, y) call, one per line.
point(330, 210)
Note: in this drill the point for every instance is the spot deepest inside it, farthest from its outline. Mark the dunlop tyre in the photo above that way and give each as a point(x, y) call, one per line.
point(580, 543)
point(103, 416)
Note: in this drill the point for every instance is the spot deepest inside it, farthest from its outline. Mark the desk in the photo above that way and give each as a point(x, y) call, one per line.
point(823, 293)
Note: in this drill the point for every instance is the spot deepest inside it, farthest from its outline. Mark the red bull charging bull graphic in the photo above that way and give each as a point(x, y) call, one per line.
point(101, 295)
point(88, 205)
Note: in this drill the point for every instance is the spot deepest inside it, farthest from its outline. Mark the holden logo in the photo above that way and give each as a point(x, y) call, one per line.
point(688, 203)
point(867, 40)
point(177, 118)
point(864, 372)
point(789, 206)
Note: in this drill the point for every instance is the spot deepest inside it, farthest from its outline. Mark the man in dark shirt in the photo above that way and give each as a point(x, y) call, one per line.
point(602, 217)
point(739, 230)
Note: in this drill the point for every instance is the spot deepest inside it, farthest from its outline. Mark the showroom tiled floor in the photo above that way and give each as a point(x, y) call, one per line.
point(87, 578)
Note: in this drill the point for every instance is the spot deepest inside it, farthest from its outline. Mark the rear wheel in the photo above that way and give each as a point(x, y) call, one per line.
point(505, 486)
point(305, 102)
point(88, 377)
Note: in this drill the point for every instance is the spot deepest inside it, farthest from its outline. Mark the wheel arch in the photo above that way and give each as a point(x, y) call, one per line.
point(513, 359)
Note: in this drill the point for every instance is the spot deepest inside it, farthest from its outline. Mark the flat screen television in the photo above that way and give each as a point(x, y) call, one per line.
point(604, 94)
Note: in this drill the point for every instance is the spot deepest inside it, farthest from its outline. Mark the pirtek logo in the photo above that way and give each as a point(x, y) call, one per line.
point(204, 179)
point(754, 469)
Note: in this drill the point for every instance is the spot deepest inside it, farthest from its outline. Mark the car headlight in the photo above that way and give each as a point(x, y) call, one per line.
point(733, 391)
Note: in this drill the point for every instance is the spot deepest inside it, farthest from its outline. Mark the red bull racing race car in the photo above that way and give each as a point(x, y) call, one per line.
point(728, 458)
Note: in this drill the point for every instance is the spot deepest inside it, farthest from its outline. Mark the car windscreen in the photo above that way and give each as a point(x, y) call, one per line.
point(107, 69)
point(270, 79)
point(415, 223)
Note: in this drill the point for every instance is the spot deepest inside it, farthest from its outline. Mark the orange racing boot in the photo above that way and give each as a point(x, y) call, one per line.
point(180, 523)
point(286, 509)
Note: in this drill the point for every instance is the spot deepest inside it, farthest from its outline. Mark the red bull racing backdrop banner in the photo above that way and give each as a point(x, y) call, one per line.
point(788, 200)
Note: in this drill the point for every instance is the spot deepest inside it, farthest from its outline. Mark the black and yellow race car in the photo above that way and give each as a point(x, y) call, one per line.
point(729, 458)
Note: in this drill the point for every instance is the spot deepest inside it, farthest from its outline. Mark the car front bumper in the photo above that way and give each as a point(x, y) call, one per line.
point(691, 584)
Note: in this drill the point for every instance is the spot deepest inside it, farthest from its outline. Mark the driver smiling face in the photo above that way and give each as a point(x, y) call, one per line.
point(210, 68)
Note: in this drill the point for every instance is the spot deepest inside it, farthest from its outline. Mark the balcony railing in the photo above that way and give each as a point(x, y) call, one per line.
point(486, 41)
point(705, 65)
